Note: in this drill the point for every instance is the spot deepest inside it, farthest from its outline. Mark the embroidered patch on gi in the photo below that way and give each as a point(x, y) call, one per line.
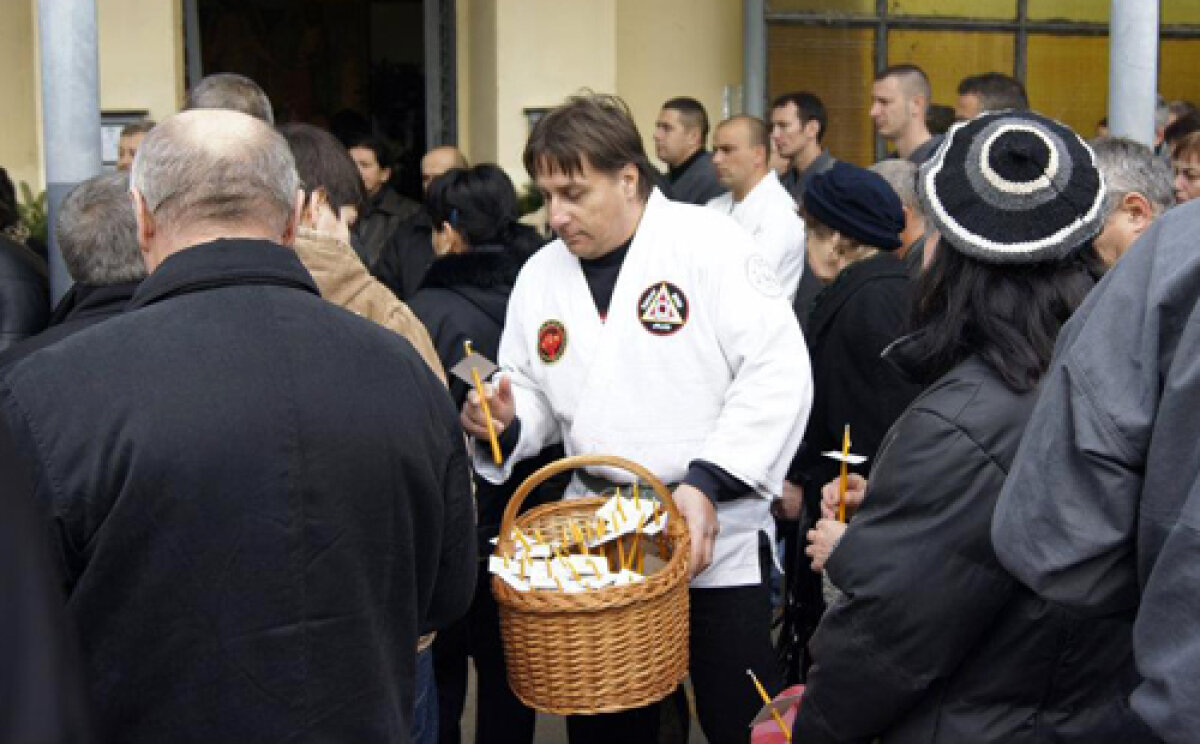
point(762, 276)
point(663, 309)
point(551, 341)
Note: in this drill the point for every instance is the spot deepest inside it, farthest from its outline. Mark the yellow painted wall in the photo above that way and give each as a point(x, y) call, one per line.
point(671, 48)
point(534, 53)
point(141, 67)
point(18, 90)
point(141, 55)
point(546, 50)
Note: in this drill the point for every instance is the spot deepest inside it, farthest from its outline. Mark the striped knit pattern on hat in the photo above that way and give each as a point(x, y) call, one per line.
point(1013, 187)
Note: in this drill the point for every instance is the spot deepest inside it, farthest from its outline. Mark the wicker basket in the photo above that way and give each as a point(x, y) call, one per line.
point(598, 651)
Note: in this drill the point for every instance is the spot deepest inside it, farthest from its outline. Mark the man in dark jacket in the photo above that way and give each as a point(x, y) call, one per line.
point(1100, 509)
point(680, 134)
point(97, 235)
point(268, 497)
point(409, 252)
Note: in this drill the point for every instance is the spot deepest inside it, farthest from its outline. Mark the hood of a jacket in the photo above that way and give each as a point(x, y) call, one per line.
point(484, 277)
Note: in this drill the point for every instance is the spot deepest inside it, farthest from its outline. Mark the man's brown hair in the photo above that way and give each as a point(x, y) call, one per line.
point(592, 126)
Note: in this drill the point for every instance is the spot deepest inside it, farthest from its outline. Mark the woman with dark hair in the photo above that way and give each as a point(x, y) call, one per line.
point(933, 641)
point(479, 247)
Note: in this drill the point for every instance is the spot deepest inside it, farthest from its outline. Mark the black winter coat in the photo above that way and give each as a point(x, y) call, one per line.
point(934, 641)
point(24, 293)
point(855, 318)
point(382, 215)
point(407, 255)
point(259, 501)
point(83, 306)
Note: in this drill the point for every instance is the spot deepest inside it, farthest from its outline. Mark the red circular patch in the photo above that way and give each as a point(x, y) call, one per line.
point(552, 341)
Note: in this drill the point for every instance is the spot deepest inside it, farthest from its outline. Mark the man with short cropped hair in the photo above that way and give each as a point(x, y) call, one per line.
point(259, 500)
point(900, 97)
point(1139, 190)
point(989, 91)
point(406, 258)
point(97, 236)
point(798, 123)
point(634, 278)
point(680, 134)
point(227, 90)
point(128, 142)
point(756, 200)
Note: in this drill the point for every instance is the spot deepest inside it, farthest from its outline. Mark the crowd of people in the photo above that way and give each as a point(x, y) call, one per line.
point(245, 498)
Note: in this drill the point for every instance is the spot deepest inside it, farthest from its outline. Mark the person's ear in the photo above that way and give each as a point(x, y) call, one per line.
point(147, 228)
point(295, 219)
point(628, 177)
point(386, 175)
point(1137, 206)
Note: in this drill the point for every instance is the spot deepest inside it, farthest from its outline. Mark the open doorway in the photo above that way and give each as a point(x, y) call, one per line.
point(345, 65)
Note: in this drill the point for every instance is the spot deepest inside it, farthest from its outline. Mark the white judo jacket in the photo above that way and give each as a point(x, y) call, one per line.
point(768, 213)
point(700, 357)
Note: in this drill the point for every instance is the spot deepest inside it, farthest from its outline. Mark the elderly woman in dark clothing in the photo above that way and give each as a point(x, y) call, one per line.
point(933, 641)
point(479, 247)
point(853, 221)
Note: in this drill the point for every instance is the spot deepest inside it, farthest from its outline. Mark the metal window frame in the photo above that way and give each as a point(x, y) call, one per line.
point(1021, 26)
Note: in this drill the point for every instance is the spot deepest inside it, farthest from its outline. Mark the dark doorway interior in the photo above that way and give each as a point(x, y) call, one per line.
point(344, 65)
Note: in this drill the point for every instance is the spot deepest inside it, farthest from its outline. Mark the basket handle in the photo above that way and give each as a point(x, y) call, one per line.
point(504, 544)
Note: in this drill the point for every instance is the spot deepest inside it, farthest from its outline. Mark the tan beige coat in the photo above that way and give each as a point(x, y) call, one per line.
point(344, 280)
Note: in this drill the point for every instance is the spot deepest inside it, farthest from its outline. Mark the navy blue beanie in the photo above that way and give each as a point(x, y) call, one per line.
point(857, 203)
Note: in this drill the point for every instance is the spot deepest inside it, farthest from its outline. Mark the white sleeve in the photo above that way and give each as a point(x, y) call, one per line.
point(781, 240)
point(767, 404)
point(539, 426)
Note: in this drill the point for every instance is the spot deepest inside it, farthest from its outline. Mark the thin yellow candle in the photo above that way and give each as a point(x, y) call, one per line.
point(842, 480)
point(521, 536)
point(487, 410)
point(787, 733)
point(579, 537)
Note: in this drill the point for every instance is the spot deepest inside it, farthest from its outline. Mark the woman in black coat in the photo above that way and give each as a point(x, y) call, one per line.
point(479, 248)
point(933, 640)
point(853, 220)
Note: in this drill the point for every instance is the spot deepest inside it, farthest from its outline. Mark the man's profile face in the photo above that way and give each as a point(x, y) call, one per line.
point(734, 158)
point(127, 147)
point(789, 135)
point(373, 175)
point(673, 139)
point(967, 107)
point(891, 109)
point(434, 164)
point(592, 212)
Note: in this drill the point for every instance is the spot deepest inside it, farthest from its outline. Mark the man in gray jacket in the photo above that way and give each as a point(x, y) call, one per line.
point(1101, 511)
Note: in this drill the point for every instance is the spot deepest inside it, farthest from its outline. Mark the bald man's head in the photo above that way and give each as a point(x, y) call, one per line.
point(439, 160)
point(214, 169)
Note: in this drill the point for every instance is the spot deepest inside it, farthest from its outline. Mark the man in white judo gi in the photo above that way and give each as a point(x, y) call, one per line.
point(654, 330)
point(756, 199)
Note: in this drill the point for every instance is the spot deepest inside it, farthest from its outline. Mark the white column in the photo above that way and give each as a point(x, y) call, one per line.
point(1133, 69)
point(754, 58)
point(70, 64)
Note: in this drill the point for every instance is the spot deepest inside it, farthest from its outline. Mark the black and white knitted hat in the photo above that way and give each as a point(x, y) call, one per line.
point(1013, 187)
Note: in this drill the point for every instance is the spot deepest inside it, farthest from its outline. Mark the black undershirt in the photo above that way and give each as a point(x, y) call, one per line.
point(601, 274)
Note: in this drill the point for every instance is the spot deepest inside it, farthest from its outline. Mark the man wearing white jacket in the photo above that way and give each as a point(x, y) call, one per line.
point(756, 199)
point(656, 331)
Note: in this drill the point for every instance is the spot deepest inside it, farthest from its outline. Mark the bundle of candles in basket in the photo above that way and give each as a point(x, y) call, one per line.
point(608, 548)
